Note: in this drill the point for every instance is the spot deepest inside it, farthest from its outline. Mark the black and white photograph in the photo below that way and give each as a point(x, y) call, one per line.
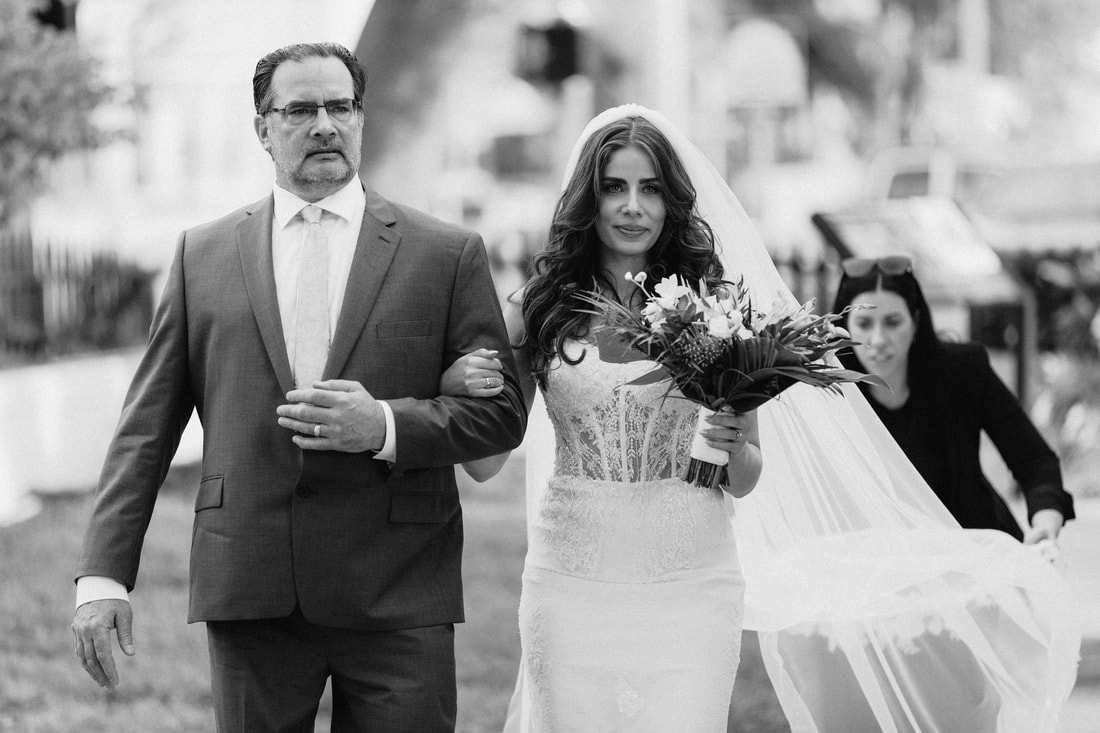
point(549, 366)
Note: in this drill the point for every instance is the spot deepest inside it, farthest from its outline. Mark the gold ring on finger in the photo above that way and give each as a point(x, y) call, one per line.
point(317, 430)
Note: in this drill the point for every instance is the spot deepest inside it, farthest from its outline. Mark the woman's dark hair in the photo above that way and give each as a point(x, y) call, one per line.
point(924, 352)
point(569, 264)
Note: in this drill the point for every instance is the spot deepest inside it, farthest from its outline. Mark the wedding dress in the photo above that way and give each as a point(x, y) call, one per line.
point(875, 610)
point(630, 618)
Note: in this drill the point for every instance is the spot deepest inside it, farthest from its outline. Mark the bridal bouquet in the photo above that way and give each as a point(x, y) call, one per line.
point(722, 353)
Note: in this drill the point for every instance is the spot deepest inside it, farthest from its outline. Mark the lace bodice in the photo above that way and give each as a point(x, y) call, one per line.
point(609, 431)
point(616, 507)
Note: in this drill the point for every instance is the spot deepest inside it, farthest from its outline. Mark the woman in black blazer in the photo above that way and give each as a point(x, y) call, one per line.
point(941, 397)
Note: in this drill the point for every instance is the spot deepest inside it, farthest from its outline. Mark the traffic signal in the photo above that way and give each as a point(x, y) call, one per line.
point(548, 54)
point(58, 14)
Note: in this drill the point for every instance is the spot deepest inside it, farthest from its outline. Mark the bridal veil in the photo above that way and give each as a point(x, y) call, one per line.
point(874, 609)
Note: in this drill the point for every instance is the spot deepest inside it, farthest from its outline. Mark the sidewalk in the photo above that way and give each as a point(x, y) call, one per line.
point(56, 421)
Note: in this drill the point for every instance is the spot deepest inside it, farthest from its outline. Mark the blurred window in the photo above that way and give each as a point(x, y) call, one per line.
point(517, 157)
point(908, 183)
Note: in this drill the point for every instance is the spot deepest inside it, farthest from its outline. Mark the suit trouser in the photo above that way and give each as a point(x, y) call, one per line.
point(268, 675)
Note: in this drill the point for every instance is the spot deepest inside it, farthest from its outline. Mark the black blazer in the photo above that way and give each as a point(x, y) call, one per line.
point(943, 443)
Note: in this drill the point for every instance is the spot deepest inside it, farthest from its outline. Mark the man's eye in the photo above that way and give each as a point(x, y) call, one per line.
point(298, 112)
point(342, 108)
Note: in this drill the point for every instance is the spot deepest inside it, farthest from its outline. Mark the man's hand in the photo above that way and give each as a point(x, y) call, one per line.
point(336, 414)
point(92, 626)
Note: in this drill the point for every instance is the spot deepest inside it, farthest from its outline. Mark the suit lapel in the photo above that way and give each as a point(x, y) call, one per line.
point(254, 244)
point(374, 253)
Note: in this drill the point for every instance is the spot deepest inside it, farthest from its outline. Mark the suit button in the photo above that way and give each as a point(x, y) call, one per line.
point(304, 491)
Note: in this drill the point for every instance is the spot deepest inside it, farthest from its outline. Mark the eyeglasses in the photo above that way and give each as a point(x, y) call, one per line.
point(301, 113)
point(864, 266)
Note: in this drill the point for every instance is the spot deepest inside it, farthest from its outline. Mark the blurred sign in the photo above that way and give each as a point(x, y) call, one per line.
point(548, 54)
point(950, 257)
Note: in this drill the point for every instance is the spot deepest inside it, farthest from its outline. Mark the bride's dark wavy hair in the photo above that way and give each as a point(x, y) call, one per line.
point(569, 264)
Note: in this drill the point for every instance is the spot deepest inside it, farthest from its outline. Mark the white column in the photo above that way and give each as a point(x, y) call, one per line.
point(672, 70)
point(974, 34)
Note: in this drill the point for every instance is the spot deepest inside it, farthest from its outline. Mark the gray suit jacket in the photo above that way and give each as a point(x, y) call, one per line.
point(353, 541)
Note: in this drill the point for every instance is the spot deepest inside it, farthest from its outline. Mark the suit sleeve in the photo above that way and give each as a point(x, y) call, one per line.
point(157, 407)
point(450, 430)
point(1034, 465)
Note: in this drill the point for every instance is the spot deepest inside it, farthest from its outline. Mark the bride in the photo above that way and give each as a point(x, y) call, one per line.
point(631, 609)
point(875, 611)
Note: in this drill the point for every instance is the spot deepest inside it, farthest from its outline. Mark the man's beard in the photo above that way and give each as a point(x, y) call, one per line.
point(331, 174)
point(324, 175)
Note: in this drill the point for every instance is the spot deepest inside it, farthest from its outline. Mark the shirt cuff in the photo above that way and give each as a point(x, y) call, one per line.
point(99, 588)
point(388, 451)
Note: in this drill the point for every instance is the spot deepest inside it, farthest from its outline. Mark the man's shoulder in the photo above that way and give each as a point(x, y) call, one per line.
point(231, 220)
point(408, 219)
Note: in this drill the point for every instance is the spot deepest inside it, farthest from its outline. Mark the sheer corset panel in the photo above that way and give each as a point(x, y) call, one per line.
point(608, 430)
point(615, 509)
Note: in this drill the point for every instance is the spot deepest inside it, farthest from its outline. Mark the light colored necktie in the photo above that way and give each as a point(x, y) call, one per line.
point(311, 327)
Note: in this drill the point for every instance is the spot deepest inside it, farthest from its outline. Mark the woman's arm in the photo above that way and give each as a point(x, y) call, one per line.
point(1034, 465)
point(477, 374)
point(739, 435)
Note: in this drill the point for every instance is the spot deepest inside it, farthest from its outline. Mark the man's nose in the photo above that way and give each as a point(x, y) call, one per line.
point(323, 125)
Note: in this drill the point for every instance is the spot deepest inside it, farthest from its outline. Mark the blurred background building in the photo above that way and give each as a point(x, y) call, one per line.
point(473, 105)
point(960, 131)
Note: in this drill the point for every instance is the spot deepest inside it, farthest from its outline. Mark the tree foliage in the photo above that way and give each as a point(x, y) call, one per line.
point(49, 90)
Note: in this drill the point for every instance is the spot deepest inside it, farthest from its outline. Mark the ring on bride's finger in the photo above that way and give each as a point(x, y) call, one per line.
point(317, 430)
point(737, 437)
point(488, 383)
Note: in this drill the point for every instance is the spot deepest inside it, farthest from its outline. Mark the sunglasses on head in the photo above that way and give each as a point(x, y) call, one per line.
point(864, 266)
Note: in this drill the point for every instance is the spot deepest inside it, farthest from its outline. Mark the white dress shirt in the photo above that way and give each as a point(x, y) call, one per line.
point(341, 221)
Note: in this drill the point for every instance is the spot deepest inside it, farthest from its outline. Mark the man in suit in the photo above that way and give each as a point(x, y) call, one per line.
point(328, 533)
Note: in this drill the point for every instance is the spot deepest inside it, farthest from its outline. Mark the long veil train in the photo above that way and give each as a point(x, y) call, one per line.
point(875, 610)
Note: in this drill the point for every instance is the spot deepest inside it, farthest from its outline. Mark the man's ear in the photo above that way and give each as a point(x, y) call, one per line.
point(262, 132)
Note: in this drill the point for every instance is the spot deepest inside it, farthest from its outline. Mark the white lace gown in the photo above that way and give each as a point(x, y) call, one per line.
point(632, 604)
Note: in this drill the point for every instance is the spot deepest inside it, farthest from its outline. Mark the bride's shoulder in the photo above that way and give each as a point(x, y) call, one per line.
point(517, 296)
point(512, 308)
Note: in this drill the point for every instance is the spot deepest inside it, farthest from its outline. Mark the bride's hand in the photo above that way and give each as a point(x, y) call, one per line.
point(737, 433)
point(477, 374)
point(731, 431)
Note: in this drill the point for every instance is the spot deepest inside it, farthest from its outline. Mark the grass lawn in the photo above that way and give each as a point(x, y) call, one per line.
point(164, 689)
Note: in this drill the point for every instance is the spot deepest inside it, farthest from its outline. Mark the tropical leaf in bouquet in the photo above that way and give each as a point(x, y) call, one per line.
point(738, 371)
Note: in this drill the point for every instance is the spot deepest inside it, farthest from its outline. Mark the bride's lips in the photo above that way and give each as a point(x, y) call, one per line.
point(632, 232)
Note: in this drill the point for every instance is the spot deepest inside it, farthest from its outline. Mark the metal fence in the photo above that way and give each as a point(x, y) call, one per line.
point(809, 278)
point(54, 301)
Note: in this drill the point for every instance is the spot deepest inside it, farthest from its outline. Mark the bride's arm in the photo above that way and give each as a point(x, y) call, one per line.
point(466, 377)
point(739, 435)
